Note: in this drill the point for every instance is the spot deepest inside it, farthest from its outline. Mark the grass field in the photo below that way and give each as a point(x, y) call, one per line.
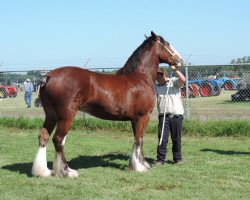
point(214, 168)
point(16, 107)
point(217, 107)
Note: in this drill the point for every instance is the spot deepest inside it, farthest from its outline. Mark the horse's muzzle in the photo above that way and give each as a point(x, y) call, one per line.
point(179, 63)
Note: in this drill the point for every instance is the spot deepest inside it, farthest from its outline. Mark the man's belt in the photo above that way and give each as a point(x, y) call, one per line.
point(170, 115)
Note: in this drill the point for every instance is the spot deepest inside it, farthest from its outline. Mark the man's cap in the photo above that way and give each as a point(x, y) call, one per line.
point(161, 70)
point(28, 80)
point(43, 73)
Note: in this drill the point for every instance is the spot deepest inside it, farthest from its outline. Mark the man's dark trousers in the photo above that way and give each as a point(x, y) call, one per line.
point(173, 124)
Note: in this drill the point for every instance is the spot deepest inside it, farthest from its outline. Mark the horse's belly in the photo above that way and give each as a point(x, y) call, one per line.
point(104, 113)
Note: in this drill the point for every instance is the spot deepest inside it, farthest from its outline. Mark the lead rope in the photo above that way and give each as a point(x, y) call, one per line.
point(164, 113)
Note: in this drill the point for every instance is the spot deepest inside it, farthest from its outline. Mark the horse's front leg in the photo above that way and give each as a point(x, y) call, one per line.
point(137, 161)
point(60, 165)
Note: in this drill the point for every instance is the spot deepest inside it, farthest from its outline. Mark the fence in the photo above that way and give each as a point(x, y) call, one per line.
point(217, 92)
point(211, 92)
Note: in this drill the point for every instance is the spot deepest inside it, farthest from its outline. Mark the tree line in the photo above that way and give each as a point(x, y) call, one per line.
point(245, 59)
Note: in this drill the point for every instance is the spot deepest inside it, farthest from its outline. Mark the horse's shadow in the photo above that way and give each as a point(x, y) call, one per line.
point(110, 160)
point(223, 152)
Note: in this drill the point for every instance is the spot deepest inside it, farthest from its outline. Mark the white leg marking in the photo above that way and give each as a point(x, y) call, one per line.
point(72, 173)
point(135, 162)
point(59, 168)
point(39, 167)
point(58, 165)
point(64, 140)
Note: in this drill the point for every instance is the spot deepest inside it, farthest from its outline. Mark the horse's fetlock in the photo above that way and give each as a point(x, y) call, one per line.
point(42, 140)
point(43, 143)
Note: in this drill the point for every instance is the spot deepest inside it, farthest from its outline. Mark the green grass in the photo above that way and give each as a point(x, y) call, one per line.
point(16, 107)
point(190, 127)
point(215, 168)
point(219, 107)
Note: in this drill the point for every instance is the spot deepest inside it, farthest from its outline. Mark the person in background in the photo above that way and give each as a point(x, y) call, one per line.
point(28, 89)
point(169, 102)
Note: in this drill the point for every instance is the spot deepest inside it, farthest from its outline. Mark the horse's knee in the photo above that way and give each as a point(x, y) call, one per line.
point(43, 137)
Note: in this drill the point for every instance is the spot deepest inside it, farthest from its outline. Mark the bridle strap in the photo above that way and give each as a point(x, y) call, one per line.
point(173, 54)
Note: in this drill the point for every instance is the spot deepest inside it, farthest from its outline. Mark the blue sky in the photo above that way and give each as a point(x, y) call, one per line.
point(47, 34)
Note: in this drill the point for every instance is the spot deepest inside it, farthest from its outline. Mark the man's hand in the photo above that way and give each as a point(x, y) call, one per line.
point(174, 68)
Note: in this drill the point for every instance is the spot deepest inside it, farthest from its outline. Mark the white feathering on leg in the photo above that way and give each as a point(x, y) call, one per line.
point(135, 162)
point(59, 169)
point(39, 167)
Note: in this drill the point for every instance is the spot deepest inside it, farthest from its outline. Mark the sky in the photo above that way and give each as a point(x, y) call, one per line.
point(47, 34)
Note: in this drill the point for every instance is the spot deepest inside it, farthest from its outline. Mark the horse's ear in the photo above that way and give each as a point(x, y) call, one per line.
point(154, 36)
point(146, 36)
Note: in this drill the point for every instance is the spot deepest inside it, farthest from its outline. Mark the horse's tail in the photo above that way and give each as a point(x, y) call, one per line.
point(44, 80)
point(43, 83)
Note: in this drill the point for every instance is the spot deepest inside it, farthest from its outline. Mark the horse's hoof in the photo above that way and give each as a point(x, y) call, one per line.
point(41, 173)
point(139, 166)
point(72, 173)
point(47, 173)
point(64, 173)
point(146, 164)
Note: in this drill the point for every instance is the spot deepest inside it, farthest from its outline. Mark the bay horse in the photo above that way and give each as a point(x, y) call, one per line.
point(127, 95)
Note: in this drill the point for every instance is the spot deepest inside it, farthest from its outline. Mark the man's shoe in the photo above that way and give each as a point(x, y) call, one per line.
point(178, 162)
point(159, 163)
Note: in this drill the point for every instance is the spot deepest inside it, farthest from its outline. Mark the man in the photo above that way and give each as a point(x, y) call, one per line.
point(28, 89)
point(169, 101)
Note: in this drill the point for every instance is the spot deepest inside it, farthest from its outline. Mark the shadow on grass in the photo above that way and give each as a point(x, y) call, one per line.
point(106, 160)
point(21, 168)
point(225, 152)
point(81, 162)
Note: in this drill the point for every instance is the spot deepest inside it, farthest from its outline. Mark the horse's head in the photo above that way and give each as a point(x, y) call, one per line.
point(167, 53)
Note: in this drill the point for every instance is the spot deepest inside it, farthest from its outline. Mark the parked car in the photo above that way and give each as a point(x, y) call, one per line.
point(242, 95)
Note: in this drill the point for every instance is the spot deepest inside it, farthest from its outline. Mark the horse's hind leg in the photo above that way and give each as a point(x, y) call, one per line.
point(137, 161)
point(39, 167)
point(60, 165)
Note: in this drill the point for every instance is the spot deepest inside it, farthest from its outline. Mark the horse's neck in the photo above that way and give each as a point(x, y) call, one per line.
point(147, 65)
